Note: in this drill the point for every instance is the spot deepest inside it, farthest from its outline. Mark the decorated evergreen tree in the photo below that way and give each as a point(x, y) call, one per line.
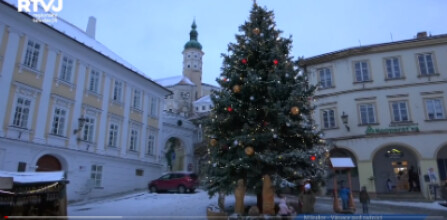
point(261, 122)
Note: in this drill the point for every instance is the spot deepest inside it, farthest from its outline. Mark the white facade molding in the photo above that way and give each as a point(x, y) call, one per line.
point(6, 73)
point(77, 110)
point(42, 119)
point(103, 129)
point(127, 103)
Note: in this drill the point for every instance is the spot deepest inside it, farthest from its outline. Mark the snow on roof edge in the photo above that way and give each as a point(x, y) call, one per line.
point(34, 177)
point(77, 34)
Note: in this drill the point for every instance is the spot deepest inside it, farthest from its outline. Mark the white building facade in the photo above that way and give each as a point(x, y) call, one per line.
point(384, 105)
point(69, 103)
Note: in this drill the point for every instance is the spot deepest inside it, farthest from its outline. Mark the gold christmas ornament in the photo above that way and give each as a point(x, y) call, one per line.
point(236, 88)
point(256, 31)
point(294, 110)
point(213, 142)
point(249, 151)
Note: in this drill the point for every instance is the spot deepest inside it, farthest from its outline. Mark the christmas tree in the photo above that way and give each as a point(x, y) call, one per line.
point(261, 122)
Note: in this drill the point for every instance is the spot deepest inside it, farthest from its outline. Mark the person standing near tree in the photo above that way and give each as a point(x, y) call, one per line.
point(412, 179)
point(364, 199)
point(344, 195)
point(307, 199)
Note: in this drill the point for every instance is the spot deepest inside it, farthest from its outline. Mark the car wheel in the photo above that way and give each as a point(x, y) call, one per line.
point(153, 189)
point(192, 190)
point(181, 189)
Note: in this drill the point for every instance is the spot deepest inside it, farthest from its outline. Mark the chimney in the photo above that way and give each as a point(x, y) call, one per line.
point(91, 27)
point(422, 34)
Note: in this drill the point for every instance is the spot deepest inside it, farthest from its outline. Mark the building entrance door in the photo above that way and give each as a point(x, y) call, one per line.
point(48, 163)
point(400, 170)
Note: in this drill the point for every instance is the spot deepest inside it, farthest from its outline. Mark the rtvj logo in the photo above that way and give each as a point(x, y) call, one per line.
point(35, 7)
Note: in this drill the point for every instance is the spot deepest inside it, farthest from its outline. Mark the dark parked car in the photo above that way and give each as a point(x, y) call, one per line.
point(175, 181)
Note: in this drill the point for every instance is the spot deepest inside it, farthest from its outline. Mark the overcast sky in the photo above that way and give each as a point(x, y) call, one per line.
point(151, 34)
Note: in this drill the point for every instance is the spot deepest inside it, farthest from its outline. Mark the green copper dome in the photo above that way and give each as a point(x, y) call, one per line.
point(193, 43)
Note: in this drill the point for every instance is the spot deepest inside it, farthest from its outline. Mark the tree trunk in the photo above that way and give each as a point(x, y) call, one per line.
point(268, 196)
point(259, 201)
point(239, 194)
point(221, 201)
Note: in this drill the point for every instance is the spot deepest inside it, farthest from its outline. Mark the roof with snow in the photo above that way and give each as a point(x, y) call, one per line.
point(205, 99)
point(175, 80)
point(75, 33)
point(34, 177)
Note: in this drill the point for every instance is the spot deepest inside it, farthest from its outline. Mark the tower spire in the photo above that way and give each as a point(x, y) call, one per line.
point(193, 41)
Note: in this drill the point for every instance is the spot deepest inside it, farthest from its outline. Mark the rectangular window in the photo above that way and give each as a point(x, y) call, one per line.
point(393, 68)
point(96, 175)
point(21, 167)
point(434, 109)
point(325, 78)
point(136, 99)
point(154, 106)
point(400, 111)
point(59, 118)
point(66, 69)
point(32, 54)
point(426, 65)
point(150, 144)
point(133, 146)
point(94, 82)
point(21, 113)
point(139, 172)
point(361, 71)
point(113, 135)
point(89, 127)
point(117, 91)
point(329, 118)
point(367, 113)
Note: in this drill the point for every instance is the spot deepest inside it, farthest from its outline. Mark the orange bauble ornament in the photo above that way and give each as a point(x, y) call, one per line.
point(236, 88)
point(213, 142)
point(249, 151)
point(294, 110)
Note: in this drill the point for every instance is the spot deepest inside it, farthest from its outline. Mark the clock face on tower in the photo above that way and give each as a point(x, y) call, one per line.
point(185, 95)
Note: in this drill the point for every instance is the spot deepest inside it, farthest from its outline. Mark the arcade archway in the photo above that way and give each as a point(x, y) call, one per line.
point(394, 166)
point(442, 163)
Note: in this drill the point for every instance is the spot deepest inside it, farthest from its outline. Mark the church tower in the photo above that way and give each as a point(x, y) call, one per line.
point(192, 60)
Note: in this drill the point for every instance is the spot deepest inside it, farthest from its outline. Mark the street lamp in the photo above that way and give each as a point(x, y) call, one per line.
point(81, 122)
point(344, 119)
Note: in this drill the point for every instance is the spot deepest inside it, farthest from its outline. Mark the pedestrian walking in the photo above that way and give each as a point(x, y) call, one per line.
point(364, 199)
point(412, 175)
point(389, 185)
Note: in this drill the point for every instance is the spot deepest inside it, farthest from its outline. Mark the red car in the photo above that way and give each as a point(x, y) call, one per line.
point(175, 181)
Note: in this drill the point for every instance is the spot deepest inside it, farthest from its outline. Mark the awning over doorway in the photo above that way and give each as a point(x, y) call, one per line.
point(341, 162)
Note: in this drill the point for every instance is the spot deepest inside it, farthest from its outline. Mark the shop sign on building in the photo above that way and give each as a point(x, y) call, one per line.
point(390, 130)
